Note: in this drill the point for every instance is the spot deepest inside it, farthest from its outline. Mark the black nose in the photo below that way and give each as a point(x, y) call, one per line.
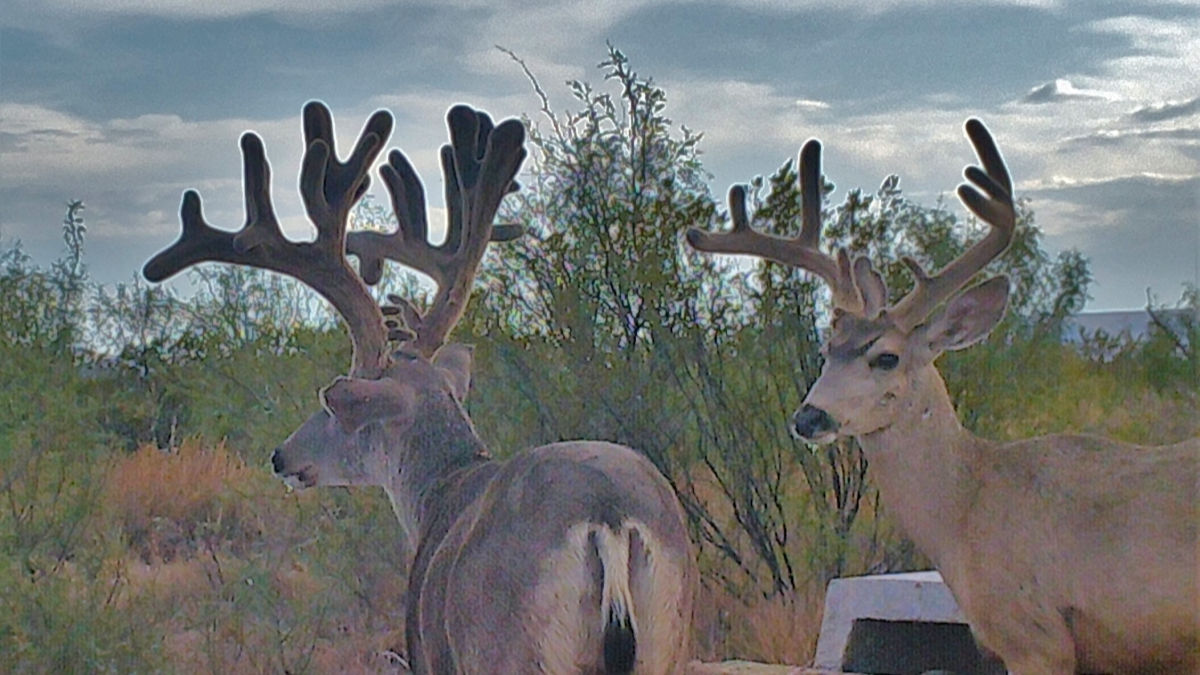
point(811, 422)
point(277, 461)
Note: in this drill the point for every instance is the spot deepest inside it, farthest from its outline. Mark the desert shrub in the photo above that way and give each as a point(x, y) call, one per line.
point(76, 619)
point(50, 457)
point(1019, 388)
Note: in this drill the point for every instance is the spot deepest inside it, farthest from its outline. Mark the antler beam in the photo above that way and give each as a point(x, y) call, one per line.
point(329, 188)
point(856, 286)
point(800, 251)
point(988, 194)
point(478, 166)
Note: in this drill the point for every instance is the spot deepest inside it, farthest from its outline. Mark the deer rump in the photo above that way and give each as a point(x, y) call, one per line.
point(569, 558)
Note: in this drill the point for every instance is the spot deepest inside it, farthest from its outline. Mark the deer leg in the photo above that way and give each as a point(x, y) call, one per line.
point(1030, 642)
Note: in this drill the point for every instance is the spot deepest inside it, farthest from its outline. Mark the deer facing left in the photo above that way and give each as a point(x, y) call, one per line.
point(568, 558)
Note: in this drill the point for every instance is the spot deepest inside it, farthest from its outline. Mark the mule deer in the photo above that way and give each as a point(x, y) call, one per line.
point(571, 557)
point(1067, 553)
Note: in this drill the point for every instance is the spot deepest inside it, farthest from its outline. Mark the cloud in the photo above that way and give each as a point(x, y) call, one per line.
point(896, 55)
point(1138, 231)
point(1062, 90)
point(1117, 147)
point(131, 172)
point(128, 102)
point(811, 104)
point(193, 10)
point(1167, 110)
point(44, 145)
point(592, 13)
point(1108, 137)
point(1129, 193)
point(1161, 59)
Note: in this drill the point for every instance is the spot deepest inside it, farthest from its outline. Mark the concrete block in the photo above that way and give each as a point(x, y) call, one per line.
point(897, 624)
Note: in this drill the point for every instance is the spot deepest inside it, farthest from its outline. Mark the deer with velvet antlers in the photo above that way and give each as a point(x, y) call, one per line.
point(1067, 553)
point(569, 558)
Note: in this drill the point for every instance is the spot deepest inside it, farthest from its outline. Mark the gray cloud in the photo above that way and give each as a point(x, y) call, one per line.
point(1139, 232)
point(1133, 194)
point(261, 65)
point(983, 54)
point(1166, 111)
point(1108, 137)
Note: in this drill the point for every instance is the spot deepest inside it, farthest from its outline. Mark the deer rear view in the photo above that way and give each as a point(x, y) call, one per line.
point(568, 558)
point(1067, 553)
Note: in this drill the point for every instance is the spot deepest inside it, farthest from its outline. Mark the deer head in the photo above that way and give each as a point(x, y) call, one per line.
point(372, 420)
point(879, 355)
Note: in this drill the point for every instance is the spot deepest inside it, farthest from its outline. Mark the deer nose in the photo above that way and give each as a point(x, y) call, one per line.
point(277, 462)
point(810, 422)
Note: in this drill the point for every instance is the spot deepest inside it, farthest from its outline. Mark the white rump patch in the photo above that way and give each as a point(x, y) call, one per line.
point(570, 634)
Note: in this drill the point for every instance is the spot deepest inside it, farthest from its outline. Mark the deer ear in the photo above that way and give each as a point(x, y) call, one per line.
point(356, 402)
point(968, 317)
point(454, 364)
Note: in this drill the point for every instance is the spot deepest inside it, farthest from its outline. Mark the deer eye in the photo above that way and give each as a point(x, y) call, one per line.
point(885, 361)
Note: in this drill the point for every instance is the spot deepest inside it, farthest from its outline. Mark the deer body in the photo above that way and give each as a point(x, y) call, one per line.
point(527, 563)
point(1054, 546)
point(1067, 553)
point(568, 558)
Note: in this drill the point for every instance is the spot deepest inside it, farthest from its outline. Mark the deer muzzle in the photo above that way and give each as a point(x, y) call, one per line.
point(813, 424)
point(296, 478)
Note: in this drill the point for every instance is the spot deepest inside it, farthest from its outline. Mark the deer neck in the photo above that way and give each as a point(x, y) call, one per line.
point(922, 464)
point(440, 443)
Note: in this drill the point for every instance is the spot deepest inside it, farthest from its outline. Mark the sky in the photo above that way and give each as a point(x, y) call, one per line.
point(124, 104)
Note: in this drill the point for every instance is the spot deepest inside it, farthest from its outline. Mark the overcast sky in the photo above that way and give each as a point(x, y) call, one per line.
point(126, 103)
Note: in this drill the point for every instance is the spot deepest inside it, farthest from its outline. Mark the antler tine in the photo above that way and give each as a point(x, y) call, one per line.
point(810, 194)
point(478, 167)
point(988, 194)
point(329, 189)
point(800, 251)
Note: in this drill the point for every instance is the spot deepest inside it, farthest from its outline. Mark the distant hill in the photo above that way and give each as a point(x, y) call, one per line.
point(1133, 324)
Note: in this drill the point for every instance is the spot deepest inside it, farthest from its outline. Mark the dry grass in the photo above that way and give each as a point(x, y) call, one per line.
point(738, 617)
point(178, 483)
point(779, 629)
point(166, 502)
point(735, 620)
point(244, 577)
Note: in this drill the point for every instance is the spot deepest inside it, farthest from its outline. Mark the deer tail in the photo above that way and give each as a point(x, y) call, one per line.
point(616, 600)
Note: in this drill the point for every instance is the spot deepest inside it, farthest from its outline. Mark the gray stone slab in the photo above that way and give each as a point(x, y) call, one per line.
point(922, 609)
